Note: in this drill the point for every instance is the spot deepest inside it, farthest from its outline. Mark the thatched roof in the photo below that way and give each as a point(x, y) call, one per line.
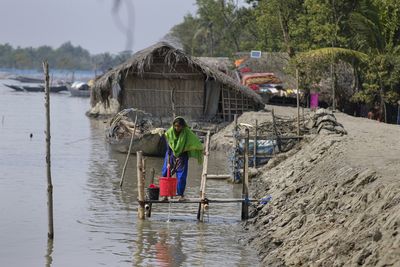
point(223, 64)
point(142, 61)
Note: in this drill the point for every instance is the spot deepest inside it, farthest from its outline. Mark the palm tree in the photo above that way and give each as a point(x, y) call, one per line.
point(332, 55)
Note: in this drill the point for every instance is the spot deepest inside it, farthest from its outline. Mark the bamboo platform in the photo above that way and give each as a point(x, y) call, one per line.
point(145, 205)
point(200, 201)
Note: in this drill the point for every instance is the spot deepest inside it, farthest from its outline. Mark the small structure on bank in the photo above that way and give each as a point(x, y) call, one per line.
point(164, 81)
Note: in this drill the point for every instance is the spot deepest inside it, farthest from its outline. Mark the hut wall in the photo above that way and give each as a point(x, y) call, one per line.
point(160, 91)
point(233, 102)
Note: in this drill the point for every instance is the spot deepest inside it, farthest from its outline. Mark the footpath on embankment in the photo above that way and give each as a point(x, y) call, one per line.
point(335, 198)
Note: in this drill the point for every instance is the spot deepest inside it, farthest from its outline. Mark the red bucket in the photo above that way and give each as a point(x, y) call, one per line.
point(167, 186)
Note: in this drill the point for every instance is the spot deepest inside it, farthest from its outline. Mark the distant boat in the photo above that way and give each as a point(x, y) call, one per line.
point(58, 88)
point(79, 89)
point(14, 87)
point(37, 88)
point(25, 79)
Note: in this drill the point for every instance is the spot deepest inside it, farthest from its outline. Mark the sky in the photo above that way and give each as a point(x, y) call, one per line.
point(90, 23)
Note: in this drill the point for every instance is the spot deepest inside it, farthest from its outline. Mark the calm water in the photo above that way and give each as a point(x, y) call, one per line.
point(95, 222)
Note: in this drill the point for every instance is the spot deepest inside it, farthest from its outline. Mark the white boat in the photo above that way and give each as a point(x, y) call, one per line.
point(79, 89)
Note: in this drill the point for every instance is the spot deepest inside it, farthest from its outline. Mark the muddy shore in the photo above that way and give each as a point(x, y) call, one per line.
point(335, 198)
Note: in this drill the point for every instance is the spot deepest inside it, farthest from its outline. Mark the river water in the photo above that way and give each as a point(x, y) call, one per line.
point(95, 222)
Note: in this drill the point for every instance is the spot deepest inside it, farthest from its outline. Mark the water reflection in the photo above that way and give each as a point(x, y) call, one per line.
point(156, 242)
point(95, 221)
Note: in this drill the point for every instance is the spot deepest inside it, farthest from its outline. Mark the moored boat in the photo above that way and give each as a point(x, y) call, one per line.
point(36, 88)
point(14, 87)
point(24, 79)
point(146, 137)
point(79, 89)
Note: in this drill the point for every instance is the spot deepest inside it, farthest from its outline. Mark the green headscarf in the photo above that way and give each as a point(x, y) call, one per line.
point(186, 141)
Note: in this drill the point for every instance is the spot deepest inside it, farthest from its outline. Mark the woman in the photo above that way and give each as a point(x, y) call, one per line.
point(182, 143)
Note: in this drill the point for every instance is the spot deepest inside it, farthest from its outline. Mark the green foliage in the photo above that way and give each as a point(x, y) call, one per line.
point(364, 33)
point(66, 56)
point(382, 79)
point(332, 54)
point(220, 28)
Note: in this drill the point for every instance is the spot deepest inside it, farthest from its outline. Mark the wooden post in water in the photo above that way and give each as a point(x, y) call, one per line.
point(148, 211)
point(245, 187)
point(129, 153)
point(200, 213)
point(255, 146)
point(140, 183)
point(50, 233)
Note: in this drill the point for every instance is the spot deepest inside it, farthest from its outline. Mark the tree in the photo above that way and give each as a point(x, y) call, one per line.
point(220, 28)
point(374, 27)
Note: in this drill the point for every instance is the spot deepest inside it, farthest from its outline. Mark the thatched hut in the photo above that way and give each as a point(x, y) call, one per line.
point(163, 80)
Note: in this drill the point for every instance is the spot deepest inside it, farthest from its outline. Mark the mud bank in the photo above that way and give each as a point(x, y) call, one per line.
point(335, 200)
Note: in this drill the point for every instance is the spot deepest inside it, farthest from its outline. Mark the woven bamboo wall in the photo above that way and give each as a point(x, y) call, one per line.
point(159, 89)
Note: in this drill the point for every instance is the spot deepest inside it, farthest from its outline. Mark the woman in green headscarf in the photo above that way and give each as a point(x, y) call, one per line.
point(182, 143)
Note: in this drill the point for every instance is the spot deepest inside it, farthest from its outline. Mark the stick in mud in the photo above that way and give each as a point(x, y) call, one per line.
point(278, 139)
point(255, 146)
point(245, 188)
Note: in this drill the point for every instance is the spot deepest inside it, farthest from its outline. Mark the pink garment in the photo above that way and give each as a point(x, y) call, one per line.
point(314, 101)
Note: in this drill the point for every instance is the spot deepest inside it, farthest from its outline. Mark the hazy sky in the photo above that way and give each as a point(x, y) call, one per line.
point(89, 23)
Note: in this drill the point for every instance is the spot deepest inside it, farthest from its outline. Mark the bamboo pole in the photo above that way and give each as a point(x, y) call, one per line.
point(245, 188)
point(153, 171)
point(266, 137)
point(298, 102)
point(255, 146)
point(218, 176)
point(235, 147)
point(278, 139)
point(223, 103)
point(148, 211)
point(200, 215)
point(198, 200)
point(127, 156)
point(229, 106)
point(140, 182)
point(50, 233)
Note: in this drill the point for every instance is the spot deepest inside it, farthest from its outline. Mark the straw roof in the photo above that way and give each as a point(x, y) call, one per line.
point(142, 61)
point(223, 64)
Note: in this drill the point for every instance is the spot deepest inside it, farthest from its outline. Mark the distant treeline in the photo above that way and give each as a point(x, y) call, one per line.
point(66, 56)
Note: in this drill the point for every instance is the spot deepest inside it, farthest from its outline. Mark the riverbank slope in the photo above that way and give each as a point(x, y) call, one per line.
point(335, 200)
